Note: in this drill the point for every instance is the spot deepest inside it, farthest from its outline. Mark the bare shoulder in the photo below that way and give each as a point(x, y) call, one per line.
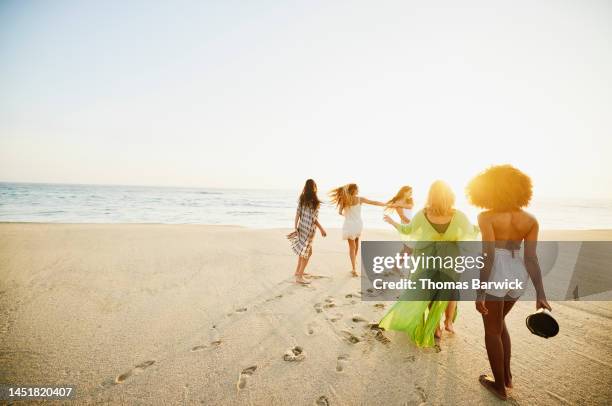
point(486, 216)
point(528, 218)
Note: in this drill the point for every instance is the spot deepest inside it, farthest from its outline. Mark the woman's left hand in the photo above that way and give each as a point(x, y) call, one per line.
point(542, 303)
point(323, 233)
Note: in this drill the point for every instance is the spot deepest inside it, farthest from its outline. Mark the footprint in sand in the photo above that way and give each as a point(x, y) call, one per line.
point(135, 371)
point(359, 319)
point(335, 317)
point(329, 305)
point(244, 376)
point(373, 293)
point(329, 302)
point(310, 328)
point(202, 347)
point(241, 310)
point(341, 362)
point(378, 333)
point(318, 307)
point(350, 337)
point(379, 305)
point(274, 298)
point(294, 354)
point(421, 392)
point(381, 338)
point(322, 401)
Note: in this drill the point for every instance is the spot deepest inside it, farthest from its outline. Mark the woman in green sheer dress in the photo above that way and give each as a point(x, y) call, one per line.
point(432, 231)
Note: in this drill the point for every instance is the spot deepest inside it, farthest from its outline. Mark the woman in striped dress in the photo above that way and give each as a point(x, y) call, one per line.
point(306, 221)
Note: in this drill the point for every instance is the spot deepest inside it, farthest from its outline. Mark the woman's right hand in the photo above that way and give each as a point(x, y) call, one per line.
point(481, 307)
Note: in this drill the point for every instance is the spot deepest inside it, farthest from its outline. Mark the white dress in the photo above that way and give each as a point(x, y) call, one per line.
point(407, 213)
point(508, 267)
point(353, 224)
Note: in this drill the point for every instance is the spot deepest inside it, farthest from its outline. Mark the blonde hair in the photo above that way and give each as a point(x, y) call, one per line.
point(400, 195)
point(500, 188)
point(440, 199)
point(344, 196)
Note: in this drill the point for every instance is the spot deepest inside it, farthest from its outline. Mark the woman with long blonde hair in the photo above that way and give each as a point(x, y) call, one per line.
point(348, 201)
point(402, 203)
point(438, 221)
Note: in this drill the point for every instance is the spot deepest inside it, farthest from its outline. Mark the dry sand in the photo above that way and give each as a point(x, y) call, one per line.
point(166, 314)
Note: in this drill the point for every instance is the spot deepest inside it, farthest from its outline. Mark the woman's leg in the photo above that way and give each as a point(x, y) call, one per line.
point(493, 326)
point(298, 266)
point(299, 276)
point(355, 256)
point(449, 315)
point(304, 264)
point(506, 343)
point(352, 254)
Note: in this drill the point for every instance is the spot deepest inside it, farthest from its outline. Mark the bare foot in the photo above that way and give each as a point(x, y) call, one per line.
point(301, 281)
point(438, 333)
point(489, 383)
point(448, 326)
point(354, 273)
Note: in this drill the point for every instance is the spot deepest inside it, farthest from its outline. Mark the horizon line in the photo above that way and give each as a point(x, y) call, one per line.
point(221, 188)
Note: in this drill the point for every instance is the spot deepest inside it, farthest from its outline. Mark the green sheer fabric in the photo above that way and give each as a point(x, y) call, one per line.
point(420, 318)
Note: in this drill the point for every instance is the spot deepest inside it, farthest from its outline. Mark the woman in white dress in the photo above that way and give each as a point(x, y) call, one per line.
point(402, 203)
point(349, 203)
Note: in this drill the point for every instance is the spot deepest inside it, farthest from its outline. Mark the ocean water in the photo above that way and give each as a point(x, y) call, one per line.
point(57, 203)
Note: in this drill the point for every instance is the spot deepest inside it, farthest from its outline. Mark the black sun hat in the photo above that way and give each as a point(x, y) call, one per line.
point(542, 324)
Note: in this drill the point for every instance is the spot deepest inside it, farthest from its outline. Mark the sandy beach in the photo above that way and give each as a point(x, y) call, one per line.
point(190, 314)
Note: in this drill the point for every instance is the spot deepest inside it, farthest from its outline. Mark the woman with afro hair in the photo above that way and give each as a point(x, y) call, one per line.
point(503, 191)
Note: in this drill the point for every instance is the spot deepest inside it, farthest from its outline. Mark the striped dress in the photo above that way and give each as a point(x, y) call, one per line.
point(301, 240)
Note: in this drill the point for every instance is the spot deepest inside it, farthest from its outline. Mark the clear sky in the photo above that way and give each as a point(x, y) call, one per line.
point(268, 93)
